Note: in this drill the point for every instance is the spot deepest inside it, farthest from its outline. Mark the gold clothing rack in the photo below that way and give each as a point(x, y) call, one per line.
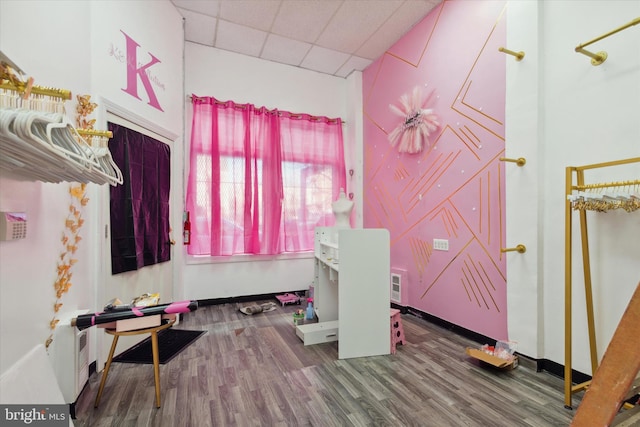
point(93, 132)
point(37, 90)
point(600, 57)
point(46, 147)
point(571, 188)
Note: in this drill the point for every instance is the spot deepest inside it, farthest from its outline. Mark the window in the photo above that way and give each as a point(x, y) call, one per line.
point(260, 180)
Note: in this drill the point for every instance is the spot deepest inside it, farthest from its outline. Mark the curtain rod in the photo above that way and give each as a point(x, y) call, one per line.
point(292, 115)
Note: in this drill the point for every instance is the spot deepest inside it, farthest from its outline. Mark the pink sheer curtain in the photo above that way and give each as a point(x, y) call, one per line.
point(260, 180)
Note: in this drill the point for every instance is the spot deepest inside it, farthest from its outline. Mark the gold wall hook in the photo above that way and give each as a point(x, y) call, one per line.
point(520, 161)
point(599, 57)
point(518, 55)
point(520, 249)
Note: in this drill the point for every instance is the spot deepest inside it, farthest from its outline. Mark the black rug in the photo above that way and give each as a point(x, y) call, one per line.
point(170, 343)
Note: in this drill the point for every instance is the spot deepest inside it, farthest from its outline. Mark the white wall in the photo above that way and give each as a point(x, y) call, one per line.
point(562, 111)
point(158, 32)
point(28, 266)
point(67, 44)
point(229, 76)
point(524, 124)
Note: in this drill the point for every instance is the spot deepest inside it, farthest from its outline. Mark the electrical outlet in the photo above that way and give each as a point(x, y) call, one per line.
point(440, 244)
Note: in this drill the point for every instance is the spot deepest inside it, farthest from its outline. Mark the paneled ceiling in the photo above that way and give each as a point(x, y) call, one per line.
point(333, 37)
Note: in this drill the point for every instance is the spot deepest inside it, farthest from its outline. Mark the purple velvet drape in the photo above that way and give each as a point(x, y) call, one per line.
point(140, 206)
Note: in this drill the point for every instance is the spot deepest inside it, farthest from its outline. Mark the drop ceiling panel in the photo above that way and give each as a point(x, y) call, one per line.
point(285, 50)
point(251, 13)
point(324, 60)
point(398, 24)
point(304, 20)
point(199, 28)
point(240, 39)
point(354, 23)
point(209, 7)
point(320, 35)
point(354, 63)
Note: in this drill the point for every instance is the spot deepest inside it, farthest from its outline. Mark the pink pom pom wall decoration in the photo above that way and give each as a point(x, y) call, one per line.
point(418, 122)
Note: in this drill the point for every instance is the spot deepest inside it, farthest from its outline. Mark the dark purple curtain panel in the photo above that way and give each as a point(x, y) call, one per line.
point(140, 206)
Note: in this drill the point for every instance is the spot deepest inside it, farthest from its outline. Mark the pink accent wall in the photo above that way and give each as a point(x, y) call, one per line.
point(454, 189)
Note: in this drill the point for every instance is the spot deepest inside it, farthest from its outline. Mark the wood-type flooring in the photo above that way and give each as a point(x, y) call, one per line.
point(254, 371)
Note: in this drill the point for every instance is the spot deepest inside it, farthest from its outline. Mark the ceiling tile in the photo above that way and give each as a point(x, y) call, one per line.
point(240, 39)
point(354, 23)
point(198, 28)
point(285, 50)
point(324, 60)
point(319, 35)
point(304, 20)
point(206, 7)
point(254, 14)
point(354, 63)
point(398, 24)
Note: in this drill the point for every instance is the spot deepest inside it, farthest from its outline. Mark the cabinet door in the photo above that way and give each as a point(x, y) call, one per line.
point(364, 300)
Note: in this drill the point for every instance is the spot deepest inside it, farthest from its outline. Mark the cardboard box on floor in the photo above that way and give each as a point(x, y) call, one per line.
point(497, 362)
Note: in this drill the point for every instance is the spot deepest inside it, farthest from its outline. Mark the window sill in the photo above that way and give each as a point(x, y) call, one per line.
point(205, 259)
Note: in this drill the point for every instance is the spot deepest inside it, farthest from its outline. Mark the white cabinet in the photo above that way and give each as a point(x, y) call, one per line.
point(351, 291)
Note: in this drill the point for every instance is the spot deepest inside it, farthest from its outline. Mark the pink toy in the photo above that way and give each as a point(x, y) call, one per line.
point(288, 299)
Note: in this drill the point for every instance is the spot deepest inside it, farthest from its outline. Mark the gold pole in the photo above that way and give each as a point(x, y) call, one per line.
point(607, 164)
point(567, 290)
point(39, 90)
point(93, 132)
point(600, 57)
point(520, 161)
point(519, 248)
point(586, 267)
point(518, 55)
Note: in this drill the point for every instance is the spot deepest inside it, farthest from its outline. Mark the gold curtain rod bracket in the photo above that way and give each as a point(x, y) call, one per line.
point(520, 161)
point(599, 57)
point(519, 55)
point(520, 249)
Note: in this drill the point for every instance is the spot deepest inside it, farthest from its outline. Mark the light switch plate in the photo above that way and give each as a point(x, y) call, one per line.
point(440, 244)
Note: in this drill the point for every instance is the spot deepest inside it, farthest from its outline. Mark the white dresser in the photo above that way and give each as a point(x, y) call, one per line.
point(351, 291)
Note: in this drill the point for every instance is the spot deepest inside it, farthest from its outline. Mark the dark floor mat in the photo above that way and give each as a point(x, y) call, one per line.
point(170, 343)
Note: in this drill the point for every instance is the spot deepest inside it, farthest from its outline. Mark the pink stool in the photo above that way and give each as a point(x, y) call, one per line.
point(397, 331)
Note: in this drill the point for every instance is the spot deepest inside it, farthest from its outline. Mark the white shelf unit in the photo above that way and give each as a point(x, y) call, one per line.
point(351, 291)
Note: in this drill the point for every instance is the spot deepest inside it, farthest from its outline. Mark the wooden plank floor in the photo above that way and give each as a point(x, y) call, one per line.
point(254, 371)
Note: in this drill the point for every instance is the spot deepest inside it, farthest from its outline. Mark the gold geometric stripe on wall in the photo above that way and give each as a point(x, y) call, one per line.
point(448, 221)
point(400, 172)
point(383, 201)
point(446, 268)
point(480, 123)
point(472, 137)
point(477, 110)
point(474, 280)
point(501, 218)
point(421, 252)
point(430, 178)
point(468, 287)
point(479, 275)
point(466, 141)
point(482, 170)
